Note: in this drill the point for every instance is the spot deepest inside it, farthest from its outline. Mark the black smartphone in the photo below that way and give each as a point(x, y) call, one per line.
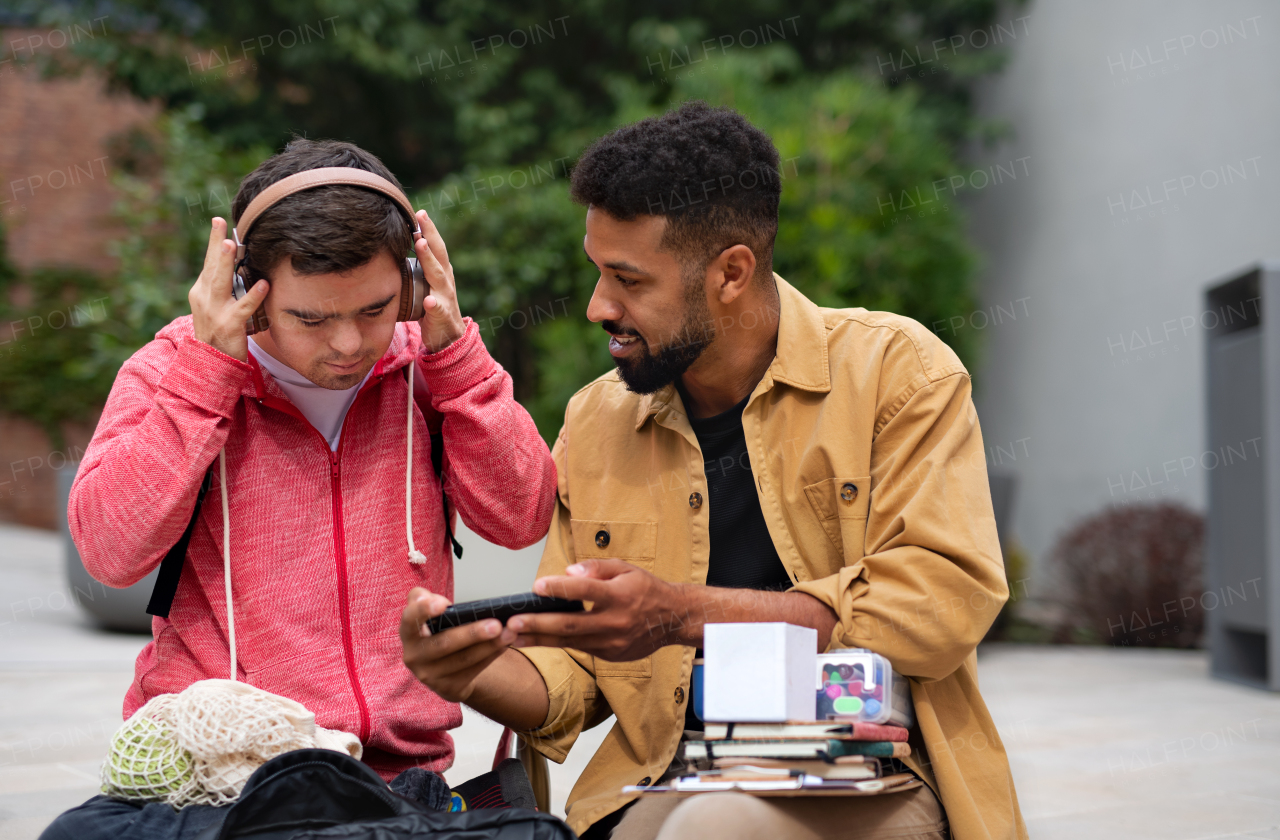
point(501, 609)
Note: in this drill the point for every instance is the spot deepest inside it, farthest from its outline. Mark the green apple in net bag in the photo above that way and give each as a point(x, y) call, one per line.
point(145, 762)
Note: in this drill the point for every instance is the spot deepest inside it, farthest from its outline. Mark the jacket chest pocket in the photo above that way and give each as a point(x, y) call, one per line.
point(633, 542)
point(841, 505)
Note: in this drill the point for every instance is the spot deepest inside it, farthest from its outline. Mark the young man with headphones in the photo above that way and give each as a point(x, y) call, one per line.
point(308, 383)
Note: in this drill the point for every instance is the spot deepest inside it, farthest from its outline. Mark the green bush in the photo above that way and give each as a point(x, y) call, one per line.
point(407, 81)
point(854, 142)
point(517, 254)
point(849, 148)
point(847, 145)
point(80, 327)
point(515, 238)
point(48, 361)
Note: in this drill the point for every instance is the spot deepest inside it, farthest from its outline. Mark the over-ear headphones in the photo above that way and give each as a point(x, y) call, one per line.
point(413, 289)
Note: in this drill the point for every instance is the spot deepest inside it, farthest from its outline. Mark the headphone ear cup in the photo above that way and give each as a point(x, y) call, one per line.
point(239, 288)
point(413, 291)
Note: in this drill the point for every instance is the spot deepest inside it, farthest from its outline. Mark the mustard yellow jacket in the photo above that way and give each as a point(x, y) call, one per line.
point(910, 564)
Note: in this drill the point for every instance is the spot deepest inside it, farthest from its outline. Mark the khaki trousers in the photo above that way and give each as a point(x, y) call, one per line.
point(911, 815)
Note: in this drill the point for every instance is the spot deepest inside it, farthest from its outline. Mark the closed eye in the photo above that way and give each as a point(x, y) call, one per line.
point(375, 310)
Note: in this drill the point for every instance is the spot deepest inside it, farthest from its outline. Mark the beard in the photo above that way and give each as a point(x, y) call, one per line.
point(648, 371)
point(319, 374)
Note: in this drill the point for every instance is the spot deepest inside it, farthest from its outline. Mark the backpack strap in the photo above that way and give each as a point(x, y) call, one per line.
point(171, 566)
point(435, 425)
point(437, 463)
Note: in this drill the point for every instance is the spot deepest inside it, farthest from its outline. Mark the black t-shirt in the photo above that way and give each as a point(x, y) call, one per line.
point(742, 552)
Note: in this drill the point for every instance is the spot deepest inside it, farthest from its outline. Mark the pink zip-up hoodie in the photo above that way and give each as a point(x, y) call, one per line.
point(319, 566)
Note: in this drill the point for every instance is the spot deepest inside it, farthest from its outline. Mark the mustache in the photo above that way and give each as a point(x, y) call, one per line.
point(614, 328)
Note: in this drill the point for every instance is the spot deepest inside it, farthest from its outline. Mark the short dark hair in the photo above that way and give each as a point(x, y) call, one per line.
point(712, 174)
point(327, 229)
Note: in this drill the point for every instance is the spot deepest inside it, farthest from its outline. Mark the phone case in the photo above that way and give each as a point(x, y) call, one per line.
point(501, 609)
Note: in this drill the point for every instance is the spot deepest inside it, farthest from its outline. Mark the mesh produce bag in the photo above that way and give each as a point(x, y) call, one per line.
point(199, 747)
point(231, 729)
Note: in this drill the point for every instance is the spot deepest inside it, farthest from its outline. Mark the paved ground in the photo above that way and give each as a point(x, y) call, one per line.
point(1104, 743)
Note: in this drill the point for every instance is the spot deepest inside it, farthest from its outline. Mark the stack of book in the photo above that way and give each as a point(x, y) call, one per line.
point(833, 755)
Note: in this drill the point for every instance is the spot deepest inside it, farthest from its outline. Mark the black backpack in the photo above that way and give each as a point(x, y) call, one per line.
point(326, 795)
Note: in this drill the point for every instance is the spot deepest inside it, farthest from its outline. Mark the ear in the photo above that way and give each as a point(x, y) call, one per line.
point(731, 272)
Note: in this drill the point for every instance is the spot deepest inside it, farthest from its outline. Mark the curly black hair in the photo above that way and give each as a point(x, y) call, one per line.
point(712, 174)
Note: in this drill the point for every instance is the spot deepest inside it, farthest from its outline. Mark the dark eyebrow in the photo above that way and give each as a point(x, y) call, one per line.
point(306, 316)
point(627, 267)
point(314, 316)
point(371, 307)
point(617, 266)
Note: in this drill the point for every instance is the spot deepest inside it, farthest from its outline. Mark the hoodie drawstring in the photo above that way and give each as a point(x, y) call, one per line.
point(415, 556)
point(226, 556)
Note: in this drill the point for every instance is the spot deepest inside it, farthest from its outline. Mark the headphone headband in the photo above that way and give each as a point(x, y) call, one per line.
point(310, 179)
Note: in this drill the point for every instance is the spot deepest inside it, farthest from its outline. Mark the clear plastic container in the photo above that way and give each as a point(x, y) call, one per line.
point(856, 684)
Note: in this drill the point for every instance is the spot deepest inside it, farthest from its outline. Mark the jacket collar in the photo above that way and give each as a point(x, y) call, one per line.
point(802, 342)
point(801, 359)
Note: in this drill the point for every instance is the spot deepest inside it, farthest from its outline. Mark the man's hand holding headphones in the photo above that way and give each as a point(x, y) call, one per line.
point(442, 321)
point(218, 318)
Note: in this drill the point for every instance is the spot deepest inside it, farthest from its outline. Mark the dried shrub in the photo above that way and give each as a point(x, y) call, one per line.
point(1132, 576)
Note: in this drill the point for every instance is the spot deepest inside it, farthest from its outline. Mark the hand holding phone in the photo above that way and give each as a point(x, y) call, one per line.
point(501, 609)
point(470, 649)
point(217, 317)
point(474, 663)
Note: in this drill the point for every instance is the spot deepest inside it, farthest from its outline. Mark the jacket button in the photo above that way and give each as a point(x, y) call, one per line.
point(602, 539)
point(679, 694)
point(695, 500)
point(645, 781)
point(849, 492)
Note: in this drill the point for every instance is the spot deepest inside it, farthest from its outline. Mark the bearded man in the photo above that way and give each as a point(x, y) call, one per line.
point(754, 457)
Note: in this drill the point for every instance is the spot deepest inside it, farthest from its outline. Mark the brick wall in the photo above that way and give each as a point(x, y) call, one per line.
point(55, 205)
point(55, 166)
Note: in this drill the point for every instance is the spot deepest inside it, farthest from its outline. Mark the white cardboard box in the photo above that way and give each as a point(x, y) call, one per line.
point(758, 672)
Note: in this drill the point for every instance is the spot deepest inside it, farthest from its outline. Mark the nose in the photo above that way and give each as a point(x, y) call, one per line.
point(346, 338)
point(602, 307)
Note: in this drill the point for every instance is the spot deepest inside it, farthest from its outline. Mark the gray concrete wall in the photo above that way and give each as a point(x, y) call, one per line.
point(1145, 153)
point(490, 571)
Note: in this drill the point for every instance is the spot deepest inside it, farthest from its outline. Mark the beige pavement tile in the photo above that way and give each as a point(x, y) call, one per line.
point(79, 775)
point(21, 828)
point(1182, 815)
point(1104, 743)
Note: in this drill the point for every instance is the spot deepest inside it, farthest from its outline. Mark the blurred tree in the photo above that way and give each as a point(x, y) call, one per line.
point(482, 108)
point(47, 321)
point(847, 147)
point(70, 330)
point(432, 87)
point(851, 151)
